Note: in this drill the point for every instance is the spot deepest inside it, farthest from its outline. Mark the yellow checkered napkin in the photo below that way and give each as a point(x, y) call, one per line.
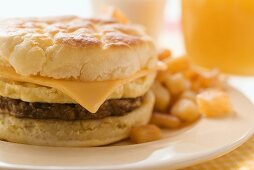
point(240, 159)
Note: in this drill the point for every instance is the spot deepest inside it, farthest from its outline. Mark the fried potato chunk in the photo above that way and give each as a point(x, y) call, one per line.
point(176, 83)
point(145, 133)
point(162, 97)
point(186, 110)
point(214, 103)
point(178, 64)
point(165, 120)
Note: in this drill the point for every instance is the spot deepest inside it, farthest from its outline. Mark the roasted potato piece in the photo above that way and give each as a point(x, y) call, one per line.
point(119, 16)
point(164, 54)
point(176, 83)
point(214, 103)
point(186, 110)
point(188, 94)
point(162, 96)
point(197, 85)
point(190, 74)
point(178, 64)
point(145, 133)
point(165, 120)
point(162, 75)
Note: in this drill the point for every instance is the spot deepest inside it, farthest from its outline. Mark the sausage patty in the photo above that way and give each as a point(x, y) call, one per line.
point(36, 110)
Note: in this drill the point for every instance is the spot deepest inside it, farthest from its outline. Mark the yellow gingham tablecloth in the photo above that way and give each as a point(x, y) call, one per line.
point(241, 158)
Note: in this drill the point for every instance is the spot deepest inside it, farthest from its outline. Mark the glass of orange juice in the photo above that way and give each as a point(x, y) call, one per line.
point(220, 33)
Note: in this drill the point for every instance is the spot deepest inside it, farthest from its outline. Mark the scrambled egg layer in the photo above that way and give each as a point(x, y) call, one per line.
point(35, 93)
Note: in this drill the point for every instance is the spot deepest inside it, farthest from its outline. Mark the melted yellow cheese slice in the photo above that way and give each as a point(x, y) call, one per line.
point(90, 95)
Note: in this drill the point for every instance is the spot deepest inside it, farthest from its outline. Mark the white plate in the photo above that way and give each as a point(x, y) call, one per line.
point(207, 139)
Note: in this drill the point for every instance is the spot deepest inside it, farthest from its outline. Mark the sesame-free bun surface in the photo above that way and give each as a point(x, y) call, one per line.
point(74, 133)
point(73, 47)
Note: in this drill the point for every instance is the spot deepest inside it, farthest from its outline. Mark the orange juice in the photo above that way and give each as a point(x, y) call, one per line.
point(220, 33)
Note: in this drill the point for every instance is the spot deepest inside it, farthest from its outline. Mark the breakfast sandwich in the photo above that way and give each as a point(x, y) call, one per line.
point(70, 81)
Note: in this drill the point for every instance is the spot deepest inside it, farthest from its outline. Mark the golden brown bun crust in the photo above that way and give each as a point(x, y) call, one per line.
point(73, 47)
point(74, 133)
